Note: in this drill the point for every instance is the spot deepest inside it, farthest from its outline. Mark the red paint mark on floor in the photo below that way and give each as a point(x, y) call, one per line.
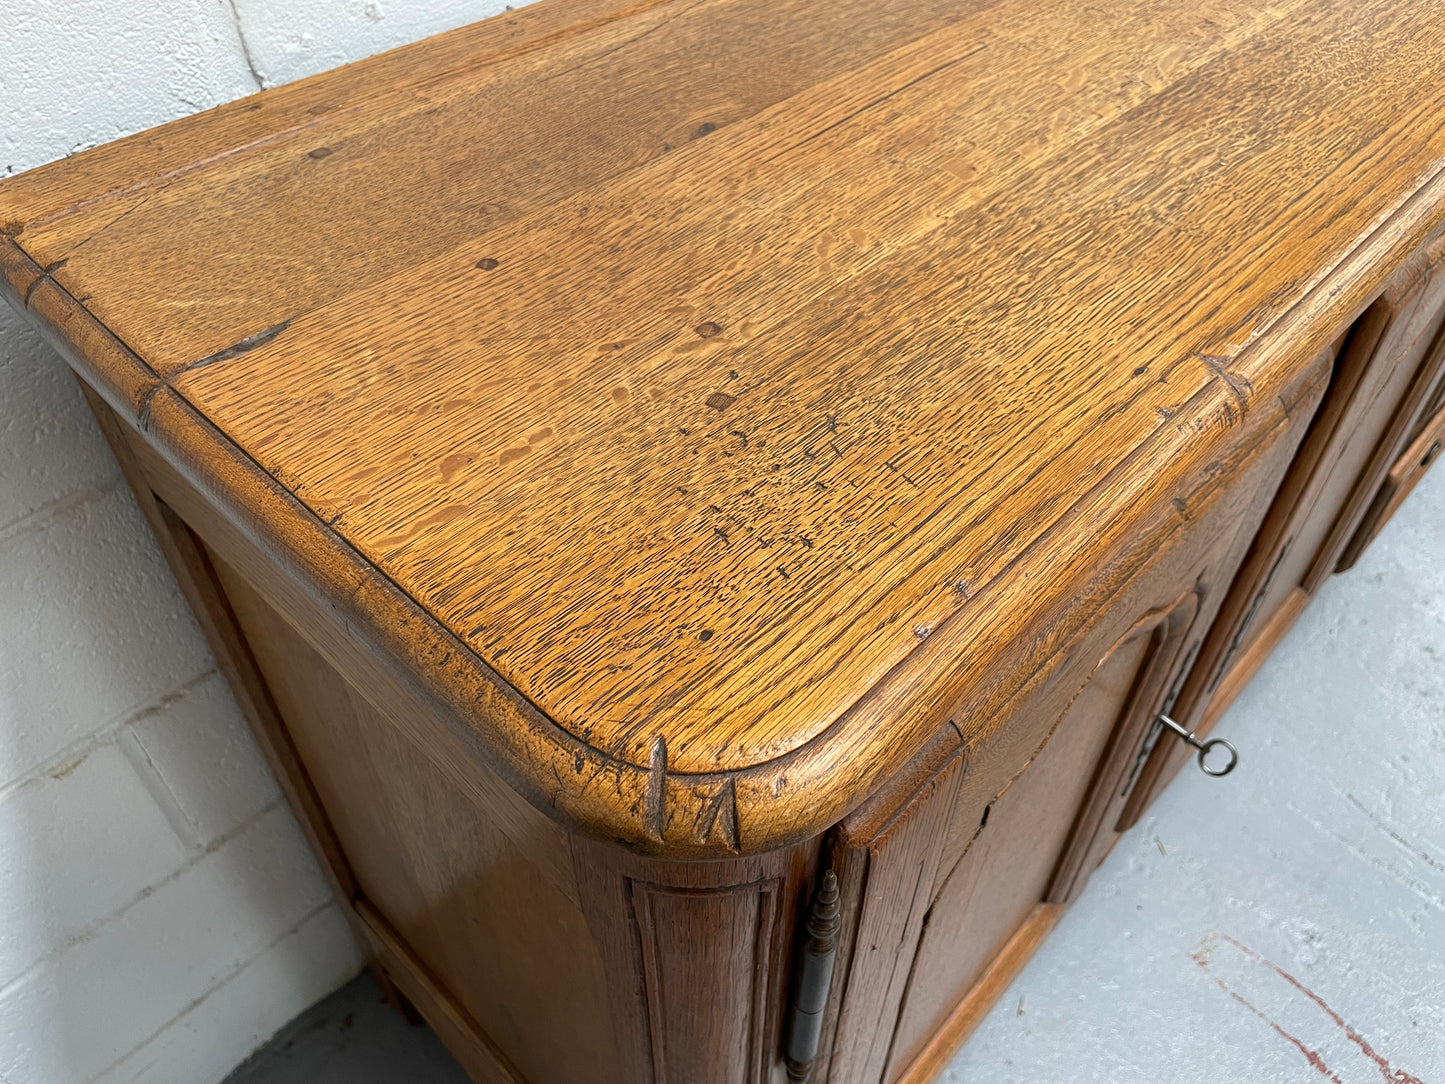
point(1389, 1073)
point(1395, 1076)
point(1312, 1056)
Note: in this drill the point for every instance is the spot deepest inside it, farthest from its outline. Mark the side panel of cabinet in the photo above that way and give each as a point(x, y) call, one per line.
point(953, 888)
point(464, 895)
point(537, 955)
point(454, 873)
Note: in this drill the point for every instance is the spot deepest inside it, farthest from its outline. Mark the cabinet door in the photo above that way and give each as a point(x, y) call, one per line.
point(1420, 427)
point(951, 886)
point(1383, 373)
point(1035, 838)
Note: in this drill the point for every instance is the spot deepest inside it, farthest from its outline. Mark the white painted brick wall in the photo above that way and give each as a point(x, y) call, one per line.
point(287, 39)
point(160, 915)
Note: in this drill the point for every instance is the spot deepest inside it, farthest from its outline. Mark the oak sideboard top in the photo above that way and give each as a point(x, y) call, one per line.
point(702, 399)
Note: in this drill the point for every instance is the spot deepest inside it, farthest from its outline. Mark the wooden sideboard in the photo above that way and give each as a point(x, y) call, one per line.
point(704, 505)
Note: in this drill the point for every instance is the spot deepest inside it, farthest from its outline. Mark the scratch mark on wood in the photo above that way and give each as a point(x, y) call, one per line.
point(656, 787)
point(143, 410)
point(720, 812)
point(89, 237)
point(245, 346)
point(47, 273)
point(623, 45)
point(891, 466)
point(1238, 387)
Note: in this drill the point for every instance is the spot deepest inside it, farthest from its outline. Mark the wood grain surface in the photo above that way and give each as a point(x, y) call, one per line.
point(701, 398)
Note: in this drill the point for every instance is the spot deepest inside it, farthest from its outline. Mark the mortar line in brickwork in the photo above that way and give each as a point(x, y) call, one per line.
point(91, 929)
point(223, 982)
point(62, 763)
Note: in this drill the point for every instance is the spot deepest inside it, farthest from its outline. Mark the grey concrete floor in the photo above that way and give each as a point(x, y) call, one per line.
point(351, 1037)
point(1285, 924)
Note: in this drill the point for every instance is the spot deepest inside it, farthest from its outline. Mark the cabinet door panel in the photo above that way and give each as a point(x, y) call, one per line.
point(1380, 371)
point(1420, 426)
point(1048, 826)
point(940, 879)
point(1158, 641)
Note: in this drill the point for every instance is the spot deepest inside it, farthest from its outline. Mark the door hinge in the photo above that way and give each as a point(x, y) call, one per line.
point(814, 979)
